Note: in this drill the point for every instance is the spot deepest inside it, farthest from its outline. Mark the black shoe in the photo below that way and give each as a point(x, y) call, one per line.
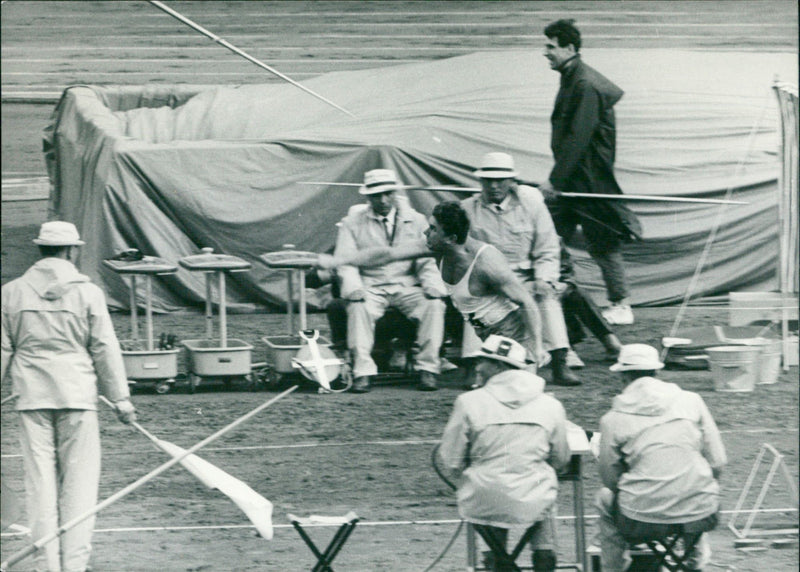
point(561, 373)
point(360, 384)
point(427, 381)
point(544, 560)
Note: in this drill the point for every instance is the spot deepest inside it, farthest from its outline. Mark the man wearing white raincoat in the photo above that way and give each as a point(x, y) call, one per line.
point(59, 350)
point(660, 457)
point(504, 444)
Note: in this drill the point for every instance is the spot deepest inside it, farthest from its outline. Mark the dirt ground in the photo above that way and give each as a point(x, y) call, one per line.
point(329, 454)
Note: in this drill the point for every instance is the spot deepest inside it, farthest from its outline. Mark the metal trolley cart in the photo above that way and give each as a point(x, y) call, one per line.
point(143, 362)
point(223, 358)
point(287, 353)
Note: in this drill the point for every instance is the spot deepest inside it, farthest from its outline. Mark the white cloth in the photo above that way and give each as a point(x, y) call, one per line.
point(503, 443)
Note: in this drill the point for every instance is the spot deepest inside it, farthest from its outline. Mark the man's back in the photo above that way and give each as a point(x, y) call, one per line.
point(659, 444)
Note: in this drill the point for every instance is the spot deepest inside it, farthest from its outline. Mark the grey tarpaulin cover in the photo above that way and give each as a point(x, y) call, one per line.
point(172, 169)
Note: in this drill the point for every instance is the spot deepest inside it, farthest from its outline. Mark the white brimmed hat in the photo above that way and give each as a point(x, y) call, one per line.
point(58, 233)
point(496, 166)
point(637, 357)
point(379, 181)
point(506, 350)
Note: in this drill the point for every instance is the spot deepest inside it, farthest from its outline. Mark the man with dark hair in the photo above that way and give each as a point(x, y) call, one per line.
point(504, 444)
point(583, 142)
point(660, 458)
point(59, 350)
point(479, 281)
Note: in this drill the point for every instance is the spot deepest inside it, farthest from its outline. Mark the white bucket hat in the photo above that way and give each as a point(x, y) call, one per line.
point(379, 181)
point(637, 357)
point(58, 233)
point(496, 166)
point(506, 350)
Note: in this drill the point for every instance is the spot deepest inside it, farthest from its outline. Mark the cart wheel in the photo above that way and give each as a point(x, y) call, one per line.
point(164, 386)
point(268, 378)
point(194, 381)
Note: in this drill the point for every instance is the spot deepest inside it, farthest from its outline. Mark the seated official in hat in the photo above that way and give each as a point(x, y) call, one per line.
point(503, 446)
point(412, 286)
point(660, 457)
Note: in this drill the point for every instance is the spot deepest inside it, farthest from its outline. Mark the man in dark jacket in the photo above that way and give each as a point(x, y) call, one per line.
point(583, 142)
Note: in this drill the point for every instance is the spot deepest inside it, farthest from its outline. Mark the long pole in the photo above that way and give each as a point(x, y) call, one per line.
point(244, 54)
point(472, 190)
point(24, 553)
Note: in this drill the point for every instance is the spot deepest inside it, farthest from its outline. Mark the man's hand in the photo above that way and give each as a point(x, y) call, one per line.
point(126, 412)
point(543, 289)
point(548, 191)
point(356, 296)
point(326, 261)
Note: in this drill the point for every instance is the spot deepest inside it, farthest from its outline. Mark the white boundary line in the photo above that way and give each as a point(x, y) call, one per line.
point(360, 523)
point(378, 443)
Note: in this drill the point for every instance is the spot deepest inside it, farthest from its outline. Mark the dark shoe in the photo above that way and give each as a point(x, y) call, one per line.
point(544, 560)
point(427, 381)
point(561, 373)
point(612, 345)
point(360, 384)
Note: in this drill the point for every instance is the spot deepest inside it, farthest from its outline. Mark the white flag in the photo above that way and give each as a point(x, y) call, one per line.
point(257, 508)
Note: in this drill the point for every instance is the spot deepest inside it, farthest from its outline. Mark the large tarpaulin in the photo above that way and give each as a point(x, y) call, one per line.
point(172, 169)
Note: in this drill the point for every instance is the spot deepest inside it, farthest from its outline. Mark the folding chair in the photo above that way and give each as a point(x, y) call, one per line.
point(324, 559)
point(671, 550)
point(500, 558)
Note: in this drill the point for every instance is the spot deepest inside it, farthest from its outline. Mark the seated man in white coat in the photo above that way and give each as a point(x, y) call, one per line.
point(412, 286)
point(660, 458)
point(503, 445)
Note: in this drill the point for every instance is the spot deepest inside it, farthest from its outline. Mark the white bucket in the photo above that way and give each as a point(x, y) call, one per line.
point(768, 365)
point(734, 367)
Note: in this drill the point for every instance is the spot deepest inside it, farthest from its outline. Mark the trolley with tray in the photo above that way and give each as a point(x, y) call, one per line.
point(143, 362)
point(216, 358)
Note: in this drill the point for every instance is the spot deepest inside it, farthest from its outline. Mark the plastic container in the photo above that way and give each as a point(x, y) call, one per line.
point(734, 367)
point(281, 350)
point(207, 358)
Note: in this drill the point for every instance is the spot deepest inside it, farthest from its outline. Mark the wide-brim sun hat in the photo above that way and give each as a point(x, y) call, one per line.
point(379, 181)
point(58, 233)
point(634, 357)
point(506, 350)
point(497, 166)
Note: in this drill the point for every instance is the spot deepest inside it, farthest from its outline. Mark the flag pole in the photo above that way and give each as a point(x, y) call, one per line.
point(242, 53)
point(24, 553)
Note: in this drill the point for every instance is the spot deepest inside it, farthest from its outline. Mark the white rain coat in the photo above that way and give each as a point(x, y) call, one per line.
point(58, 341)
point(658, 446)
point(504, 443)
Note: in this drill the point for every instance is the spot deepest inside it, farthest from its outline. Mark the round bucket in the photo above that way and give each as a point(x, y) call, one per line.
point(768, 364)
point(734, 367)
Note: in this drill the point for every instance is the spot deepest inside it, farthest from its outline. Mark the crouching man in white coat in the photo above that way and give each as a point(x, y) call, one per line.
point(503, 445)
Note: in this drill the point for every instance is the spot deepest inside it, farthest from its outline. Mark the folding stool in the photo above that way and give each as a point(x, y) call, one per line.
point(502, 560)
point(325, 559)
point(671, 550)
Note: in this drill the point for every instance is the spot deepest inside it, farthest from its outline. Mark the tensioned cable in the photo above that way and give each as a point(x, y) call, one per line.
point(691, 288)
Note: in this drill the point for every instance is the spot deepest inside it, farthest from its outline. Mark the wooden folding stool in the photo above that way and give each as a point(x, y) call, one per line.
point(324, 559)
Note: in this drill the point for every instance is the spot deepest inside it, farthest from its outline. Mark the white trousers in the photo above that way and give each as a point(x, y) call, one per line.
point(61, 456)
point(361, 318)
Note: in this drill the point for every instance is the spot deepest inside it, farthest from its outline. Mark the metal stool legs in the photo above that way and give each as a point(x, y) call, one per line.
point(325, 559)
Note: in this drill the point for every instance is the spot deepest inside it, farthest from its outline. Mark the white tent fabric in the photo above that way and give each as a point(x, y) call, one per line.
point(171, 169)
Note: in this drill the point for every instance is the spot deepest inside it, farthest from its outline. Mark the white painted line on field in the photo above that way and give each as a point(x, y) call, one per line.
point(371, 443)
point(120, 61)
point(438, 24)
point(436, 522)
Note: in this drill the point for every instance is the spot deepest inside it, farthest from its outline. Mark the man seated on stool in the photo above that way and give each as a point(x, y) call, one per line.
point(660, 458)
point(412, 286)
point(503, 444)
